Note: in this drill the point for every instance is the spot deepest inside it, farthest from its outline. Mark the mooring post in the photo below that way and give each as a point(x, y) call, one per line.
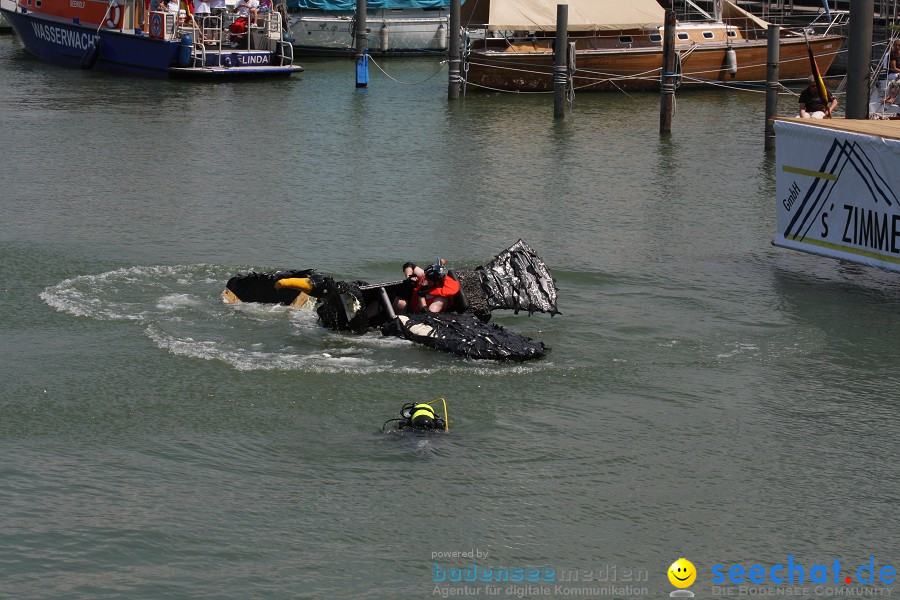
point(560, 68)
point(667, 76)
point(362, 58)
point(859, 53)
point(455, 79)
point(772, 57)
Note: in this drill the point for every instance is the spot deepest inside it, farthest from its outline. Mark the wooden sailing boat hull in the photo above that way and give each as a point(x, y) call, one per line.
point(638, 69)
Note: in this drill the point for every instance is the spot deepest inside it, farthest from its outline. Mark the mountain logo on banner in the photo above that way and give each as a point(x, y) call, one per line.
point(848, 206)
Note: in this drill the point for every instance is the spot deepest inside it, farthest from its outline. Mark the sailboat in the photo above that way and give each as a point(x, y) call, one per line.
point(396, 27)
point(618, 46)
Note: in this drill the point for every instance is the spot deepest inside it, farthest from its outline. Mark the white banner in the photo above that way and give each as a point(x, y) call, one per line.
point(837, 194)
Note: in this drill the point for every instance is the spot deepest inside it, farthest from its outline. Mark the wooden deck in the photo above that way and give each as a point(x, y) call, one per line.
point(886, 129)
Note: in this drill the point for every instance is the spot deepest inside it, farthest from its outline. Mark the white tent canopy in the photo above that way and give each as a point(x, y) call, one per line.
point(584, 15)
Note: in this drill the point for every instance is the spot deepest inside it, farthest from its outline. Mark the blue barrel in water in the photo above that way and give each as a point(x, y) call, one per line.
point(185, 49)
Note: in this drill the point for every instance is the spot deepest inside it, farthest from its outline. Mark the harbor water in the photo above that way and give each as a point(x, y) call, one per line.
point(707, 395)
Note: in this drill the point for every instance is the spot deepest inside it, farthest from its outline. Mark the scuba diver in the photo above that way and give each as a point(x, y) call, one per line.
point(420, 417)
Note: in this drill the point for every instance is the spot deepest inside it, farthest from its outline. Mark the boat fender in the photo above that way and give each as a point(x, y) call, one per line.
point(90, 56)
point(185, 49)
point(731, 61)
point(362, 71)
point(441, 37)
point(227, 62)
point(385, 37)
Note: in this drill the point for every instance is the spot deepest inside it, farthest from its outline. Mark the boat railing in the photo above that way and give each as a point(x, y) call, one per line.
point(211, 32)
point(285, 52)
point(271, 23)
point(268, 24)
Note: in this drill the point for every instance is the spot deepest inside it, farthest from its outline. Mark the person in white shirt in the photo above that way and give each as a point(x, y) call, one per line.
point(248, 9)
point(201, 11)
point(218, 8)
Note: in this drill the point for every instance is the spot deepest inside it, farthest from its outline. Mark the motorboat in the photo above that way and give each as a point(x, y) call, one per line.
point(125, 36)
point(393, 27)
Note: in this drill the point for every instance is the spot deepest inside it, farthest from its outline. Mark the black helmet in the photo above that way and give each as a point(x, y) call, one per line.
point(437, 271)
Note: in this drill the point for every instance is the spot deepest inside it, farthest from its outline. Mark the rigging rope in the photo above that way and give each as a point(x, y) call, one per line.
point(440, 68)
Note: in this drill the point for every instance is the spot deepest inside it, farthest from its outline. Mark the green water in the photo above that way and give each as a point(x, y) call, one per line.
point(707, 395)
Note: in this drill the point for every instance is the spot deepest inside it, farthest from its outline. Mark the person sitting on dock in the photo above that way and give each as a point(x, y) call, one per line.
point(435, 291)
point(812, 105)
point(247, 9)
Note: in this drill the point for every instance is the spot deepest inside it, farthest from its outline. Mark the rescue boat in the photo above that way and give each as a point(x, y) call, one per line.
point(128, 36)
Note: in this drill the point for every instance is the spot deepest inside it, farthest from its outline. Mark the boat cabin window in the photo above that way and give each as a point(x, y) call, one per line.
point(655, 37)
point(707, 35)
point(731, 33)
point(683, 36)
point(625, 39)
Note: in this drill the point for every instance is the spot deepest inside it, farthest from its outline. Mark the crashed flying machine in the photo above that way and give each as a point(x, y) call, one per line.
point(516, 279)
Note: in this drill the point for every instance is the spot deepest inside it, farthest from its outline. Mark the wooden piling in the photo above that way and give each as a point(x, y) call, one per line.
point(362, 66)
point(560, 66)
point(455, 54)
point(859, 53)
point(667, 76)
point(772, 57)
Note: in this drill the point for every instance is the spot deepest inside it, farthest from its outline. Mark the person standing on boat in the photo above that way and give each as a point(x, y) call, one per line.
point(812, 105)
point(218, 9)
point(201, 12)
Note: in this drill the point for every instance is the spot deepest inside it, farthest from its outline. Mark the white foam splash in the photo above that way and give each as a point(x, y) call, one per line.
point(181, 310)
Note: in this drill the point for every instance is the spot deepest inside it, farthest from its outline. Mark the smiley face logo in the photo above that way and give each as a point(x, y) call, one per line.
point(682, 573)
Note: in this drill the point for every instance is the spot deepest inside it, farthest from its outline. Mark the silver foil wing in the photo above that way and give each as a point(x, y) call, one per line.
point(518, 279)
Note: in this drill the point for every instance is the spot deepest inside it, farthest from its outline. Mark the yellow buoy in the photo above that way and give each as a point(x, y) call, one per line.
point(295, 283)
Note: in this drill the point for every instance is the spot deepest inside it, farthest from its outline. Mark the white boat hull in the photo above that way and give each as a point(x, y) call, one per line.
point(883, 101)
point(406, 31)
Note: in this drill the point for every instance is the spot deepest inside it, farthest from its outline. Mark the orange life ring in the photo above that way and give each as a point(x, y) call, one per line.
point(114, 17)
